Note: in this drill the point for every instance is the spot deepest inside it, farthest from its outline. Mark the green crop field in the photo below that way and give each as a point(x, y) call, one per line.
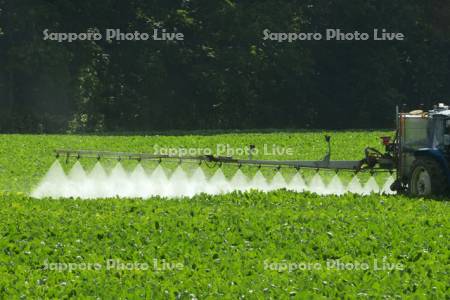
point(250, 245)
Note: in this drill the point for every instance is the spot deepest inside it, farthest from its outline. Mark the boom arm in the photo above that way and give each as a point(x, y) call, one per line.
point(373, 159)
point(351, 165)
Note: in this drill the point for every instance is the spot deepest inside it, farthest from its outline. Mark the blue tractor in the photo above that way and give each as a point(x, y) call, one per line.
point(421, 152)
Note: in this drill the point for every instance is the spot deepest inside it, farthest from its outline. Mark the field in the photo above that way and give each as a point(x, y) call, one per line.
point(241, 245)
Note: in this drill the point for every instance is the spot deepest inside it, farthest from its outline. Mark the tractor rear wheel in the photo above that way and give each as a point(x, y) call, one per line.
point(427, 178)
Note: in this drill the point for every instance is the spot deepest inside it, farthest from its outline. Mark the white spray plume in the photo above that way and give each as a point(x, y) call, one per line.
point(139, 184)
point(317, 186)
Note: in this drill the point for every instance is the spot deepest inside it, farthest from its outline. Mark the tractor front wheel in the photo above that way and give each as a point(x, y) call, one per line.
point(427, 178)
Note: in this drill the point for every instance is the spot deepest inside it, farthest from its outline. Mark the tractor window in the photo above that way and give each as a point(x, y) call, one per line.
point(447, 133)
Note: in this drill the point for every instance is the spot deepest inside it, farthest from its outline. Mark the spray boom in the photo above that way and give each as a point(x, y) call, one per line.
point(374, 160)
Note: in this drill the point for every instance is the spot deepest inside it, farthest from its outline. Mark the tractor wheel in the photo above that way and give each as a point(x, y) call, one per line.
point(427, 178)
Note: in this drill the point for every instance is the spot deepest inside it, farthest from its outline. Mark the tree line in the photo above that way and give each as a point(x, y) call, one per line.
point(223, 74)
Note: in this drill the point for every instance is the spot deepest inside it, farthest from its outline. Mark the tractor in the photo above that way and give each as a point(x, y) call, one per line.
point(421, 152)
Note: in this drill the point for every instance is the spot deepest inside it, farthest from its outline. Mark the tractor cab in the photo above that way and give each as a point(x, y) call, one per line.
point(439, 128)
point(447, 135)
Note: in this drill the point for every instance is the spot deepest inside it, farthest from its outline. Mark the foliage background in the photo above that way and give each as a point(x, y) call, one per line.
point(223, 75)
